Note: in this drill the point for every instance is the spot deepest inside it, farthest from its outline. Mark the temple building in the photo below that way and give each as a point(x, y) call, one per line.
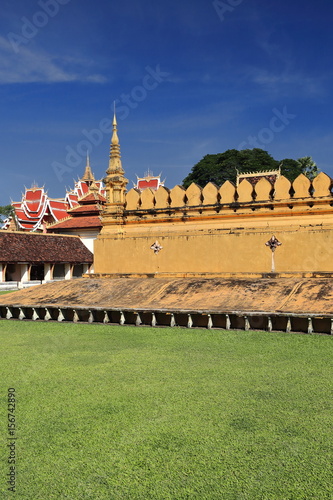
point(28, 258)
point(83, 186)
point(254, 177)
point(149, 180)
point(83, 219)
point(77, 213)
point(34, 210)
point(37, 209)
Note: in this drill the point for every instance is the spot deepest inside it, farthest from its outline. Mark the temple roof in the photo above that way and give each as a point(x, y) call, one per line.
point(254, 177)
point(37, 209)
point(149, 180)
point(84, 209)
point(92, 197)
point(84, 214)
point(89, 222)
point(88, 176)
point(35, 206)
point(20, 246)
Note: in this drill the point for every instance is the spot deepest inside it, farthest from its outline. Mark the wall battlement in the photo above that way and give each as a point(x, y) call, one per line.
point(301, 195)
point(214, 230)
point(220, 230)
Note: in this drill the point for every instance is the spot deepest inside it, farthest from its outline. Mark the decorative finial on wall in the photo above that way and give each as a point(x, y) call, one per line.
point(156, 247)
point(273, 243)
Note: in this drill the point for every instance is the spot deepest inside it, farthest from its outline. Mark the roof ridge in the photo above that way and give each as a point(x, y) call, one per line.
point(50, 224)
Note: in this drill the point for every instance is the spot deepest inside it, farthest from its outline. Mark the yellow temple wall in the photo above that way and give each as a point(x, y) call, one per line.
point(221, 230)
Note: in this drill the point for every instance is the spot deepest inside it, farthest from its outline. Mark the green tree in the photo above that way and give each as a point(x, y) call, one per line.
point(221, 167)
point(290, 168)
point(5, 212)
point(308, 167)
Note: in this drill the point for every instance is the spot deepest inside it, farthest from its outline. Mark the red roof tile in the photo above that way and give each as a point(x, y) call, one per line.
point(88, 222)
point(93, 197)
point(36, 247)
point(88, 209)
point(59, 214)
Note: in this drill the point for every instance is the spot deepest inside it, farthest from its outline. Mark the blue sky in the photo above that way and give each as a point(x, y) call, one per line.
point(190, 77)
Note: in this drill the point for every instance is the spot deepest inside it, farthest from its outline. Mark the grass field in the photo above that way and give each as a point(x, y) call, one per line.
point(107, 412)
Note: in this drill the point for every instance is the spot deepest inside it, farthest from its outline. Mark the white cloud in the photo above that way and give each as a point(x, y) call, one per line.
point(303, 84)
point(32, 65)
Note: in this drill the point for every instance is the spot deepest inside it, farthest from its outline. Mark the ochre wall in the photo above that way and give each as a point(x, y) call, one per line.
point(221, 230)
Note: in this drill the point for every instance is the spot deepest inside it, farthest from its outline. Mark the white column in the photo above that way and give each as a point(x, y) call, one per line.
point(47, 272)
point(24, 272)
point(68, 271)
point(86, 269)
point(2, 272)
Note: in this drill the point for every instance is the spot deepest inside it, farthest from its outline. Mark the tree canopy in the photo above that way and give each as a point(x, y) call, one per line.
point(221, 167)
point(5, 211)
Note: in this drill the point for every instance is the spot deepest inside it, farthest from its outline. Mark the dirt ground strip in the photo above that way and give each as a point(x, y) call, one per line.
point(286, 295)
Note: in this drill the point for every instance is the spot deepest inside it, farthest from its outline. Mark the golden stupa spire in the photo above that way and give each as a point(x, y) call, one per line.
point(88, 176)
point(115, 181)
point(115, 161)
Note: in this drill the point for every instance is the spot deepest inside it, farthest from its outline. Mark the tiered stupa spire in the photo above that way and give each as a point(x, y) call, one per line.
point(115, 181)
point(88, 176)
point(115, 156)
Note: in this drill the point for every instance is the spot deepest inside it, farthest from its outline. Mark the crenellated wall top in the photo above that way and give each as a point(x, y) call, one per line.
point(301, 192)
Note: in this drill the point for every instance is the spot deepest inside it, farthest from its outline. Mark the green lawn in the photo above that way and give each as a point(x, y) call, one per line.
point(108, 412)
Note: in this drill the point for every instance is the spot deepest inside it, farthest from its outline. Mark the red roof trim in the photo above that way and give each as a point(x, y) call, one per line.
point(77, 223)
